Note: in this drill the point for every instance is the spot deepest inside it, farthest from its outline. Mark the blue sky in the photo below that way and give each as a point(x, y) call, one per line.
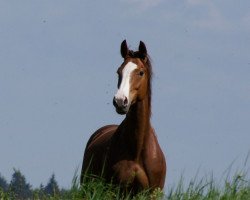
point(57, 79)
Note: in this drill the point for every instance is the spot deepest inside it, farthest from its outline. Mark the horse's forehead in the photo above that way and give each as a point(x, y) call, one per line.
point(129, 67)
point(135, 61)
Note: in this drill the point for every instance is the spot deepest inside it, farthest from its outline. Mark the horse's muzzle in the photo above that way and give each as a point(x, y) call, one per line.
point(121, 106)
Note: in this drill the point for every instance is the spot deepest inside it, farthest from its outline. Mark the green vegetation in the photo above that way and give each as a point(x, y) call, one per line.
point(207, 189)
point(235, 188)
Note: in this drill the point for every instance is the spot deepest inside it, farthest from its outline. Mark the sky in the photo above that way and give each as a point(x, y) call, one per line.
point(58, 62)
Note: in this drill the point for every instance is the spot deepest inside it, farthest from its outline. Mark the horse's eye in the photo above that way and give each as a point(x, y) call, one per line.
point(141, 73)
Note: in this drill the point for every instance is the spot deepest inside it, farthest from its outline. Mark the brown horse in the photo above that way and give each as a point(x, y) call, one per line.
point(129, 154)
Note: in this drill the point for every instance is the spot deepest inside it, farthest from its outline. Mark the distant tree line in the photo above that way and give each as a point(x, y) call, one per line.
point(18, 187)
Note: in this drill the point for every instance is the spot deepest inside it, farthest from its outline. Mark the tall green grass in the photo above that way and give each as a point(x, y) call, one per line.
point(97, 188)
point(236, 187)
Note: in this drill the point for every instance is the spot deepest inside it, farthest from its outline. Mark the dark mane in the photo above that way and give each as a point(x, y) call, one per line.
point(137, 54)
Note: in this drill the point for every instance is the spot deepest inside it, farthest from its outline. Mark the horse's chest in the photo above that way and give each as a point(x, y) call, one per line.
point(121, 151)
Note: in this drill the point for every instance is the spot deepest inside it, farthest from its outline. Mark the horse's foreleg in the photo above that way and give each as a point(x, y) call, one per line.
point(141, 177)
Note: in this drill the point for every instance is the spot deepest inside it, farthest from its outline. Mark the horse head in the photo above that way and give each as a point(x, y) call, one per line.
point(133, 78)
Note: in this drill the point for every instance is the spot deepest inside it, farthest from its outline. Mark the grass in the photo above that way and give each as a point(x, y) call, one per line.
point(238, 188)
point(96, 189)
point(235, 188)
point(207, 189)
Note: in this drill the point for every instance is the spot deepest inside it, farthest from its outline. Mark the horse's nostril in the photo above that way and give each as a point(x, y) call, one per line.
point(125, 102)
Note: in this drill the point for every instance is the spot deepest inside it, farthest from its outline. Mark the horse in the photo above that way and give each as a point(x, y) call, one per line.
point(128, 154)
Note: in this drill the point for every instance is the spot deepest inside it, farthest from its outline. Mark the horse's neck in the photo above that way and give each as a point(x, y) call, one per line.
point(138, 126)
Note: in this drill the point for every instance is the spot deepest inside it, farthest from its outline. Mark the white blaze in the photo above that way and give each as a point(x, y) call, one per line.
point(124, 88)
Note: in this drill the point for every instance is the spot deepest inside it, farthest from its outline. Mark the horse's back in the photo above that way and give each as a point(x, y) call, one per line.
point(96, 150)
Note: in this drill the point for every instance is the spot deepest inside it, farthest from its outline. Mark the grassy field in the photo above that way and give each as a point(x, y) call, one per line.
point(238, 188)
point(235, 188)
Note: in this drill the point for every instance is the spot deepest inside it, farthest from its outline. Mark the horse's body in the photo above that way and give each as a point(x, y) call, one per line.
point(129, 154)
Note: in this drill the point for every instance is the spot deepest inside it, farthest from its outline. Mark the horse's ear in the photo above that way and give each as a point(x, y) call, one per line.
point(143, 51)
point(142, 48)
point(124, 49)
